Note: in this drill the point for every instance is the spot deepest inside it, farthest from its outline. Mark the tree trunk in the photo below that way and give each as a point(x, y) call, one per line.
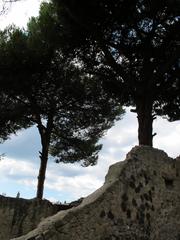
point(42, 171)
point(145, 122)
point(45, 134)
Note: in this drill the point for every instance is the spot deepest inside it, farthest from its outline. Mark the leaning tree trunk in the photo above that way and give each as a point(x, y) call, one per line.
point(45, 134)
point(42, 171)
point(145, 122)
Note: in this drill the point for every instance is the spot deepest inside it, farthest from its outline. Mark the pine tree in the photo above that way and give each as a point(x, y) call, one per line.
point(131, 45)
point(48, 89)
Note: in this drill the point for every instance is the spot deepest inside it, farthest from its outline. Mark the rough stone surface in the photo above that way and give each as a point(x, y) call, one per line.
point(140, 200)
point(19, 216)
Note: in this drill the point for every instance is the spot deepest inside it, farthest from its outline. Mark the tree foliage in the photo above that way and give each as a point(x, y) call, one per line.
point(133, 46)
point(171, 108)
point(11, 119)
point(48, 89)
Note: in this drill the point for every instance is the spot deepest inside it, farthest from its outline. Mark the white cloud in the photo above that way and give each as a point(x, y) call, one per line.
point(32, 183)
point(75, 181)
point(12, 168)
point(168, 136)
point(19, 12)
point(25, 174)
point(77, 186)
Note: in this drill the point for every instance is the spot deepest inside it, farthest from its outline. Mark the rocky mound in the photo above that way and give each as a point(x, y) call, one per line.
point(140, 200)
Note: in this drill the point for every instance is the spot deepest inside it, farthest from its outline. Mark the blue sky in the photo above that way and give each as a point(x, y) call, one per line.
point(67, 182)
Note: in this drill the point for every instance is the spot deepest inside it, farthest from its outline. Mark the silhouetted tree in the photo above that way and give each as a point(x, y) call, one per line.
point(9, 107)
point(171, 108)
point(49, 90)
point(131, 45)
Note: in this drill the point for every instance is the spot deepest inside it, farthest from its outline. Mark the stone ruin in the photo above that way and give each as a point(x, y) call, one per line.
point(140, 200)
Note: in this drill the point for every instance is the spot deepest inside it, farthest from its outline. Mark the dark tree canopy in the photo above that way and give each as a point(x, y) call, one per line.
point(171, 108)
point(48, 89)
point(11, 120)
point(132, 46)
point(11, 109)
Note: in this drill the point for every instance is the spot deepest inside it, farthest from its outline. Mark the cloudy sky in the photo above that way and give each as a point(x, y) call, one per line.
point(67, 182)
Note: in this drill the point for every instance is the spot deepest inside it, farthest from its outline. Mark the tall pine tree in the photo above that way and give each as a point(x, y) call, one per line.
point(131, 45)
point(49, 90)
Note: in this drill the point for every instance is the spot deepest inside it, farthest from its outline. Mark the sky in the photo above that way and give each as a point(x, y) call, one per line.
point(68, 182)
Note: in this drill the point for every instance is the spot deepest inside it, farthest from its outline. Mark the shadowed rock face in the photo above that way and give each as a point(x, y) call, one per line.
point(19, 216)
point(140, 200)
